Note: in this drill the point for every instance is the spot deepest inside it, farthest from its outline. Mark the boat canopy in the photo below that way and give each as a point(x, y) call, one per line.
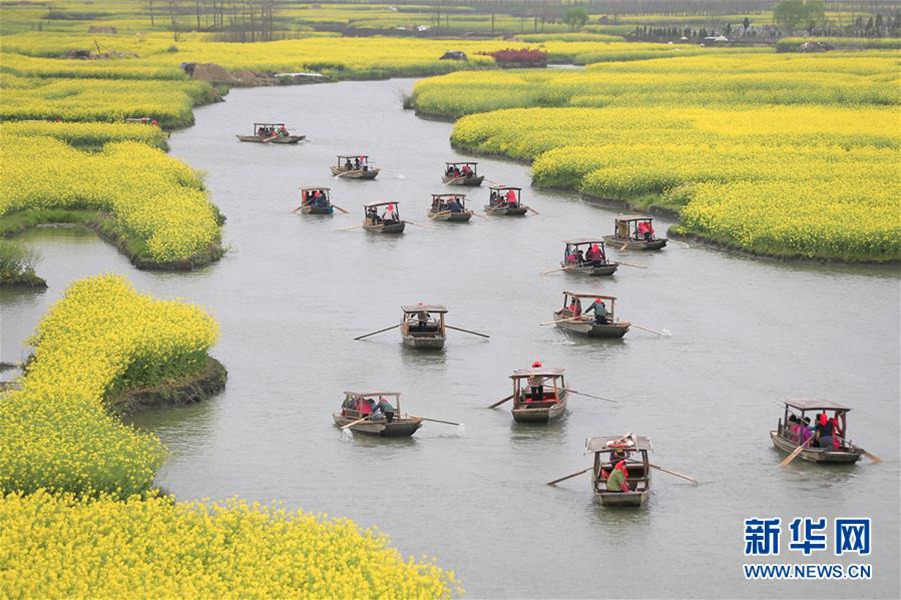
point(368, 394)
point(630, 218)
point(352, 156)
point(599, 444)
point(461, 196)
point(465, 162)
point(320, 188)
point(418, 308)
point(377, 204)
point(804, 404)
point(258, 125)
point(591, 295)
point(504, 187)
point(584, 242)
point(542, 372)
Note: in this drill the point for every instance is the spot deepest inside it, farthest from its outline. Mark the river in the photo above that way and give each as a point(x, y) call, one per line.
point(292, 293)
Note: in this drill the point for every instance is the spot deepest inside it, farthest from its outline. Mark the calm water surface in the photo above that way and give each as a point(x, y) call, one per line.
point(293, 292)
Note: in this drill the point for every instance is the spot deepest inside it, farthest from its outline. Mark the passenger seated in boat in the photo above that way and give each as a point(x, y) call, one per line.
point(580, 256)
point(575, 307)
point(536, 383)
point(793, 429)
point(570, 257)
point(365, 407)
point(595, 255)
point(455, 206)
point(622, 230)
point(449, 171)
point(617, 480)
point(620, 454)
point(645, 231)
point(599, 309)
point(347, 165)
point(373, 216)
point(389, 216)
point(511, 198)
point(824, 431)
point(466, 172)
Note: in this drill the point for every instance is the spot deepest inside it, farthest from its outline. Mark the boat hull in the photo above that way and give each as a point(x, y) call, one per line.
point(404, 427)
point(463, 181)
point(599, 271)
point(316, 210)
point(630, 244)
point(354, 174)
point(621, 499)
point(287, 139)
point(460, 217)
point(393, 228)
point(419, 342)
point(506, 211)
point(523, 413)
point(817, 455)
point(590, 328)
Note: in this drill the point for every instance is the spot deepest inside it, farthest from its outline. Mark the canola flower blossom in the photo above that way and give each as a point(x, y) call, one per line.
point(87, 134)
point(63, 546)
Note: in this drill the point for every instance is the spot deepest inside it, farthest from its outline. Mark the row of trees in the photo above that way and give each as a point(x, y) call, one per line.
point(237, 20)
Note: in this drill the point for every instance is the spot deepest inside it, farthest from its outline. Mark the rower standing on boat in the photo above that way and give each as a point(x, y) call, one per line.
point(536, 383)
point(389, 215)
point(599, 309)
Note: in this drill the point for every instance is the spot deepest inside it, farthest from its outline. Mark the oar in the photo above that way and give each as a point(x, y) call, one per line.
point(626, 245)
point(660, 333)
point(496, 404)
point(871, 456)
point(677, 474)
point(590, 396)
point(356, 422)
point(297, 209)
point(794, 454)
point(556, 481)
point(475, 214)
point(348, 173)
point(348, 228)
point(484, 335)
point(419, 225)
point(436, 420)
point(533, 210)
point(267, 140)
point(631, 265)
point(560, 269)
point(375, 332)
point(336, 207)
point(561, 321)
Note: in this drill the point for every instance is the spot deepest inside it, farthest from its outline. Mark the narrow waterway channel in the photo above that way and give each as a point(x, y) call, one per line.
point(293, 292)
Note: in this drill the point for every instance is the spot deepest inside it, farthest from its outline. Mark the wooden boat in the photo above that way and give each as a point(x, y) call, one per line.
point(388, 222)
point(638, 466)
point(783, 438)
point(599, 267)
point(628, 237)
point(270, 133)
point(450, 208)
point(462, 173)
point(570, 319)
point(354, 167)
point(506, 201)
point(385, 424)
point(316, 201)
point(552, 404)
point(422, 326)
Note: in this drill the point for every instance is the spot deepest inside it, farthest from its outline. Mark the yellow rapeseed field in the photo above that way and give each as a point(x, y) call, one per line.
point(157, 199)
point(71, 524)
point(787, 155)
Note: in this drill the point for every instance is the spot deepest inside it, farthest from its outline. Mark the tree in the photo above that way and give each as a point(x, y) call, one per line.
point(576, 17)
point(788, 14)
point(746, 23)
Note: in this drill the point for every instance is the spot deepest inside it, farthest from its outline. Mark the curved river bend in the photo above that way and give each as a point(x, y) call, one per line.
point(293, 293)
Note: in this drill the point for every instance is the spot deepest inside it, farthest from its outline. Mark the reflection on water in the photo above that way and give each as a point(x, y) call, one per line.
point(292, 293)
